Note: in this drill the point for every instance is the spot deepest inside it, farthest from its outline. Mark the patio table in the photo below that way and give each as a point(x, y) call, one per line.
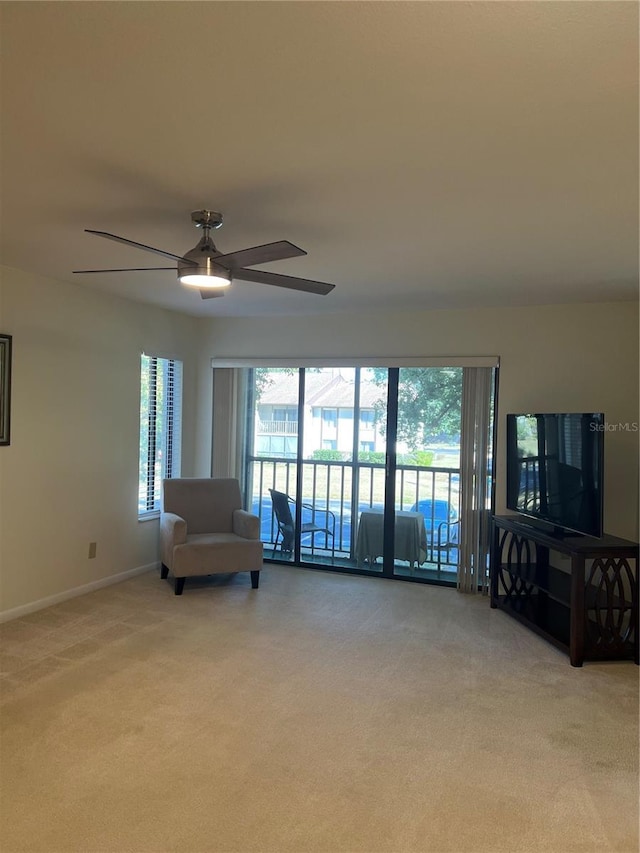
point(410, 537)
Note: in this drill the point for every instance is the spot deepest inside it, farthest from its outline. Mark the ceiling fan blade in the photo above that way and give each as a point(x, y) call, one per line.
point(304, 284)
point(259, 255)
point(128, 269)
point(139, 245)
point(211, 293)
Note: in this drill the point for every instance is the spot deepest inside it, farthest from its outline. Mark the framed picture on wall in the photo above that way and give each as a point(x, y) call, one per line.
point(5, 388)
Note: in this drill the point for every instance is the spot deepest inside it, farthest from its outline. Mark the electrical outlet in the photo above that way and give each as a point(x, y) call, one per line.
point(93, 547)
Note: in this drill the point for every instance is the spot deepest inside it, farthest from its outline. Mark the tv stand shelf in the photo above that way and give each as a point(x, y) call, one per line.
point(589, 609)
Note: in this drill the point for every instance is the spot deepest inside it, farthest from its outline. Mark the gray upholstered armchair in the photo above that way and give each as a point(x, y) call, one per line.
point(205, 531)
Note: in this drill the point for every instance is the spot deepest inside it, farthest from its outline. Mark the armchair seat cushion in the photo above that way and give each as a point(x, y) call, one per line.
point(213, 553)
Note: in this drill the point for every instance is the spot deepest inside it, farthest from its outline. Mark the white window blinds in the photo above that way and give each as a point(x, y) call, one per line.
point(160, 428)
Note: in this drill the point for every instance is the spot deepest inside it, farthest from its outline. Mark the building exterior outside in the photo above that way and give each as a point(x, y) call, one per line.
point(329, 409)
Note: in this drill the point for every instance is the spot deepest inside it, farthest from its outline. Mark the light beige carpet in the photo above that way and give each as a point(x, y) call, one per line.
point(319, 713)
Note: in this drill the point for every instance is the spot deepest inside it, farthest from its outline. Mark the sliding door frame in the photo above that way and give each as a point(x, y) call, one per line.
point(391, 462)
point(393, 366)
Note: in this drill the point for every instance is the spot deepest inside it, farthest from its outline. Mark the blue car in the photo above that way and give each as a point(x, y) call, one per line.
point(441, 521)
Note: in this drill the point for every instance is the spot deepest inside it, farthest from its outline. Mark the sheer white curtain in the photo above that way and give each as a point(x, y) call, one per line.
point(473, 570)
point(228, 422)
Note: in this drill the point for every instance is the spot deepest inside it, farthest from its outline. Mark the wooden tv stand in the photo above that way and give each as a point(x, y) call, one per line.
point(588, 608)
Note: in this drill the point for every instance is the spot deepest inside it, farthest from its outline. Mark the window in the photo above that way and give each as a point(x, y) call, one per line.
point(288, 414)
point(281, 446)
point(160, 428)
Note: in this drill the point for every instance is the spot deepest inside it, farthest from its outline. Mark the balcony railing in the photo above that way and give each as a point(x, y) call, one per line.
point(348, 488)
point(278, 427)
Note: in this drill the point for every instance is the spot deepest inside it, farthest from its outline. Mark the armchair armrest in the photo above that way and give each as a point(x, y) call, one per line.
point(173, 531)
point(246, 524)
point(173, 528)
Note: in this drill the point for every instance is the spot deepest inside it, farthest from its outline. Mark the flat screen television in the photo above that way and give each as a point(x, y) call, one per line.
point(554, 470)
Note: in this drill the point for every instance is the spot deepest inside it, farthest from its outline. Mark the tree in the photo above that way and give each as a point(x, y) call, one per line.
point(263, 377)
point(429, 402)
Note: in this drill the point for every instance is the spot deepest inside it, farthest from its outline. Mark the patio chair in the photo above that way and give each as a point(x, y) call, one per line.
point(281, 503)
point(442, 525)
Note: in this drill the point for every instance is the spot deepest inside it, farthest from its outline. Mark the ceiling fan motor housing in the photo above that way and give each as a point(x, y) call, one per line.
point(203, 255)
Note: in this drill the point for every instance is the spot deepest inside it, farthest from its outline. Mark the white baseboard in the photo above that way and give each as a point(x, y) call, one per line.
point(41, 603)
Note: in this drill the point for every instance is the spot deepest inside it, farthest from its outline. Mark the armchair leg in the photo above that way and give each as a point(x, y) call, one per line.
point(255, 579)
point(164, 571)
point(179, 585)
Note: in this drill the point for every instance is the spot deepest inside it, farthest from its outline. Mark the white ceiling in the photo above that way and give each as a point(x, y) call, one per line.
point(426, 154)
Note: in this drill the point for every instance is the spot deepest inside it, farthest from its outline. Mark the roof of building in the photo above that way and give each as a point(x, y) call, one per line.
point(320, 390)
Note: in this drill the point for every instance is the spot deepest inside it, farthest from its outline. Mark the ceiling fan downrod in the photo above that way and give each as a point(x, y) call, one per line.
point(207, 220)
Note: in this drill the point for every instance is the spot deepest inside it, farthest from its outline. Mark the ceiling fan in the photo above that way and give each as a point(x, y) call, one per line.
point(209, 270)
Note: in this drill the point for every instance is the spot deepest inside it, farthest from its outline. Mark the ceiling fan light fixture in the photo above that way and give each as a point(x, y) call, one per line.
point(204, 279)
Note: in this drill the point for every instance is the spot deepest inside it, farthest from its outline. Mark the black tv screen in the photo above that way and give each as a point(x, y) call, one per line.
point(554, 469)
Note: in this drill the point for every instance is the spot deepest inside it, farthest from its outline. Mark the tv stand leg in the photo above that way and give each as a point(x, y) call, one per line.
point(578, 615)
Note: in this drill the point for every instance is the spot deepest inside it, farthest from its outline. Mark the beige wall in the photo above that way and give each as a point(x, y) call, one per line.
point(553, 358)
point(70, 475)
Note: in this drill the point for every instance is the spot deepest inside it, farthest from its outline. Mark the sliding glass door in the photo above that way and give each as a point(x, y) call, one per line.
point(358, 468)
point(426, 482)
